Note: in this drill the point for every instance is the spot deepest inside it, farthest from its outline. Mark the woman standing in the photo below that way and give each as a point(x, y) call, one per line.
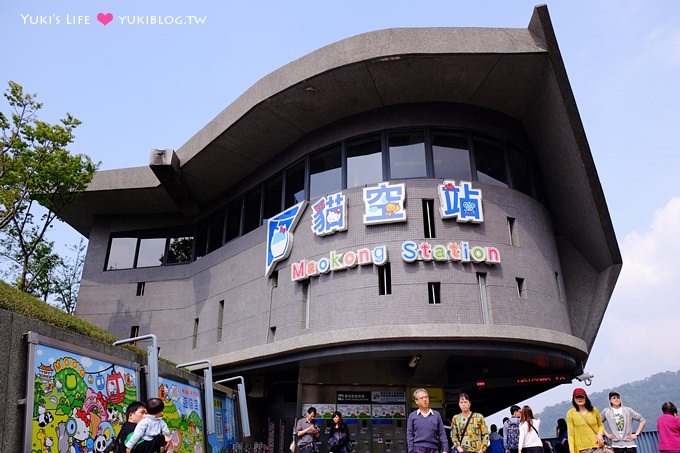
point(584, 424)
point(529, 440)
point(668, 425)
point(561, 445)
point(339, 441)
point(468, 429)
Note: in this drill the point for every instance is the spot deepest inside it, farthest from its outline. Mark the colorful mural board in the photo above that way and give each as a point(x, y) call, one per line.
point(225, 424)
point(184, 415)
point(76, 402)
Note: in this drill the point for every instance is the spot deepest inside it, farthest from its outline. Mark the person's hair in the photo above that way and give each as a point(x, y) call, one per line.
point(311, 410)
point(416, 391)
point(669, 408)
point(527, 416)
point(155, 406)
point(464, 396)
point(494, 428)
point(339, 415)
point(589, 405)
point(514, 409)
point(505, 419)
point(561, 426)
point(132, 408)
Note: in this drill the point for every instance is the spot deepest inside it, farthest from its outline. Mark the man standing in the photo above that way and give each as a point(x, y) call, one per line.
point(425, 428)
point(620, 418)
point(307, 432)
point(468, 429)
point(511, 430)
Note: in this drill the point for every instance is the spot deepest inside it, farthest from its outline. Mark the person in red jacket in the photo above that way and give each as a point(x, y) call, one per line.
point(668, 425)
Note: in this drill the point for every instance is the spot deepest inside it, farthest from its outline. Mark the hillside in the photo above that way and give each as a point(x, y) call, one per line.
point(645, 396)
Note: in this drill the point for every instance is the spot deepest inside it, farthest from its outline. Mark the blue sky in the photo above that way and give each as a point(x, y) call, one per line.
point(143, 86)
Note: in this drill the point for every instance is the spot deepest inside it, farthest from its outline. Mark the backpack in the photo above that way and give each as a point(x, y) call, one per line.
point(512, 436)
point(115, 446)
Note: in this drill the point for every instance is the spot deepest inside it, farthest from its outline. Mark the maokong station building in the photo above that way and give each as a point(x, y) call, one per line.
point(407, 207)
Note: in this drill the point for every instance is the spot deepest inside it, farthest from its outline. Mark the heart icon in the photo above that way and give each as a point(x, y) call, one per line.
point(105, 18)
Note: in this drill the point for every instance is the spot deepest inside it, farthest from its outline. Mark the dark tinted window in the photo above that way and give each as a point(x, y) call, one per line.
point(490, 161)
point(216, 235)
point(233, 220)
point(325, 172)
point(450, 156)
point(121, 253)
point(364, 161)
point(407, 155)
point(295, 184)
point(272, 197)
point(251, 213)
point(520, 171)
point(180, 250)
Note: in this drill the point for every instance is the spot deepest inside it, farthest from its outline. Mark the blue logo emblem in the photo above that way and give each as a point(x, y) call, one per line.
point(280, 235)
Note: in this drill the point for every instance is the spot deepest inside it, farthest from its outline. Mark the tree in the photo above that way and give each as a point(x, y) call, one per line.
point(66, 280)
point(35, 169)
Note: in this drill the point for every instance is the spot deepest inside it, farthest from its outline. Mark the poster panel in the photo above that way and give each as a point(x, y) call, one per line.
point(76, 397)
point(184, 415)
point(225, 424)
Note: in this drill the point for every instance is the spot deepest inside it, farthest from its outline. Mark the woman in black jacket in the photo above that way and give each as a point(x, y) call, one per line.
point(338, 440)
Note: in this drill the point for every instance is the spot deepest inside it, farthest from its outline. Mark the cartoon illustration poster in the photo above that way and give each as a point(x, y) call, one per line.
point(184, 415)
point(78, 401)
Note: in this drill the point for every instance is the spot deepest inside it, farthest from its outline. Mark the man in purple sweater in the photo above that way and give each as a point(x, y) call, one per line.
point(424, 428)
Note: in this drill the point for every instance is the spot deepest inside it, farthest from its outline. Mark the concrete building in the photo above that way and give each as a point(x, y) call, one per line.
point(449, 227)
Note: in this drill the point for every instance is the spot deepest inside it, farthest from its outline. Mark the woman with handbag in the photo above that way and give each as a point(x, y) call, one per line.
point(529, 440)
point(338, 439)
point(584, 424)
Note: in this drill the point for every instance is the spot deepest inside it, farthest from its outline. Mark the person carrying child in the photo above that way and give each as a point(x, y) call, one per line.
point(151, 433)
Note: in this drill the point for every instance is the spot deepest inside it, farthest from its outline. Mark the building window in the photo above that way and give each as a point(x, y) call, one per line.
point(521, 292)
point(272, 195)
point(384, 280)
point(151, 252)
point(134, 331)
point(140, 288)
point(407, 155)
point(252, 209)
point(450, 156)
point(216, 233)
point(272, 334)
point(325, 172)
point(364, 161)
point(512, 231)
point(433, 293)
point(121, 254)
point(428, 219)
point(520, 171)
point(202, 231)
point(180, 250)
point(195, 336)
point(306, 290)
point(484, 297)
point(295, 185)
point(220, 320)
point(233, 220)
point(490, 162)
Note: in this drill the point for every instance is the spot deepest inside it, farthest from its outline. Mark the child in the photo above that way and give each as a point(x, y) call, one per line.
point(151, 431)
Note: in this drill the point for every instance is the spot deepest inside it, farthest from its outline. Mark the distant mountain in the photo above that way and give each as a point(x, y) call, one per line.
point(645, 396)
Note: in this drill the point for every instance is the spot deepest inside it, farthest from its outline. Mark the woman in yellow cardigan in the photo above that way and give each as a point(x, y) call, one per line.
point(584, 424)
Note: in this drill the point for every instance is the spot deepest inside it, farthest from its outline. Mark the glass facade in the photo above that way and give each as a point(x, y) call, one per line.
point(392, 154)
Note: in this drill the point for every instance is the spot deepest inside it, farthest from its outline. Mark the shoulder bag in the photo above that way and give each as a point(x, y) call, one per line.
point(607, 448)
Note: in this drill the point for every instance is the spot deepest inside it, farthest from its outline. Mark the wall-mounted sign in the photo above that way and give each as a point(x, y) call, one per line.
point(451, 251)
point(280, 235)
point(384, 203)
point(461, 202)
point(338, 261)
point(329, 214)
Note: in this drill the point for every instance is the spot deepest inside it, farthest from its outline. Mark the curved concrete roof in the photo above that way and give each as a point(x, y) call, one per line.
point(518, 72)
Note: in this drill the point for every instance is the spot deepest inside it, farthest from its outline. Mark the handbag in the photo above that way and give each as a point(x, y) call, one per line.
point(293, 445)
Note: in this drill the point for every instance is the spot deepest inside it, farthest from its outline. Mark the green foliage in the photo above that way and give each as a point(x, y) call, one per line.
point(26, 305)
point(645, 396)
point(11, 299)
point(36, 168)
